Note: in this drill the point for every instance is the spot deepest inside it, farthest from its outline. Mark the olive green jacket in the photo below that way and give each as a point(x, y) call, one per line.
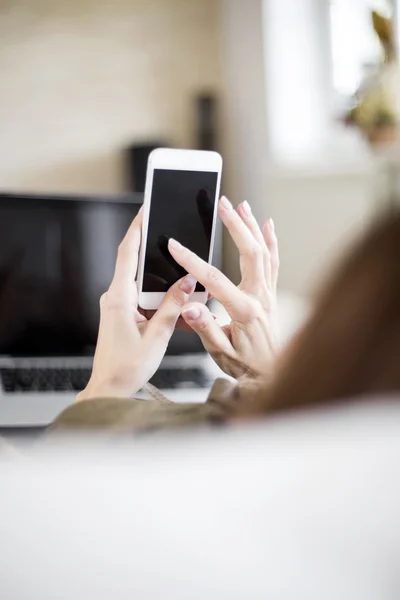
point(130, 415)
point(118, 415)
point(125, 415)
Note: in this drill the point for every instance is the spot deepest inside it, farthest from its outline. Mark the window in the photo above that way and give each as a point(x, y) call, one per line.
point(355, 46)
point(295, 72)
point(316, 55)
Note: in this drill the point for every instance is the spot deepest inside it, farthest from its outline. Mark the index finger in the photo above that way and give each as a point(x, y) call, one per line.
point(234, 300)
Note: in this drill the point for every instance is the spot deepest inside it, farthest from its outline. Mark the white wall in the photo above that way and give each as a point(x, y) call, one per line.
point(244, 109)
point(317, 216)
point(81, 79)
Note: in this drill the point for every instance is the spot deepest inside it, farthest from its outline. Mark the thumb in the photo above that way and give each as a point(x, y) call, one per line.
point(162, 325)
point(201, 320)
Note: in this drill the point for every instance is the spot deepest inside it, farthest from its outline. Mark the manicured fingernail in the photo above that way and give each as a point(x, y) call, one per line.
point(272, 224)
point(192, 314)
point(246, 208)
point(188, 284)
point(175, 245)
point(224, 202)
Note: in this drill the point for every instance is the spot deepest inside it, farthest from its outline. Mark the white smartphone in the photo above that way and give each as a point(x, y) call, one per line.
point(180, 202)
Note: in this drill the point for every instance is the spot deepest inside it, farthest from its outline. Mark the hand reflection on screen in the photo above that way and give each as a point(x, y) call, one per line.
point(166, 265)
point(162, 271)
point(175, 271)
point(205, 208)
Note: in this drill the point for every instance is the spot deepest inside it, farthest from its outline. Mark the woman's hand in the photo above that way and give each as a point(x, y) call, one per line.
point(249, 343)
point(129, 347)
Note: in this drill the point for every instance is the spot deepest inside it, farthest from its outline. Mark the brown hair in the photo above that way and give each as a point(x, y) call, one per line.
point(351, 344)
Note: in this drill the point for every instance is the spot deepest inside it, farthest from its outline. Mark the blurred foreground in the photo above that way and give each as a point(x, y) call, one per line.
point(302, 507)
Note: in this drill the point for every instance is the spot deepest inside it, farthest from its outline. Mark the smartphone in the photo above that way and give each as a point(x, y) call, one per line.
point(180, 202)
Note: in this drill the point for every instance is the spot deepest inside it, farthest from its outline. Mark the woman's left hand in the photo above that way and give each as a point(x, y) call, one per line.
point(129, 347)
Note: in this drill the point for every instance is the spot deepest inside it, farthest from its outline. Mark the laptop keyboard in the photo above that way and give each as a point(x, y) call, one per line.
point(74, 380)
point(44, 380)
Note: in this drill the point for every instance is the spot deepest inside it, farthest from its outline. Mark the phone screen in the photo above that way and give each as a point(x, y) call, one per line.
point(182, 207)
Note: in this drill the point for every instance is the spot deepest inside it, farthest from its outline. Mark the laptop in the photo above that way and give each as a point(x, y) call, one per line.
point(57, 256)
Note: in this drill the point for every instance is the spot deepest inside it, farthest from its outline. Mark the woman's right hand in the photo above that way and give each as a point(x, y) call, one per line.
point(248, 345)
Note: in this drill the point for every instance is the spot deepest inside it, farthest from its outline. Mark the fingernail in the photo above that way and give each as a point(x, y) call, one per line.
point(272, 224)
point(192, 314)
point(246, 208)
point(224, 202)
point(174, 244)
point(188, 284)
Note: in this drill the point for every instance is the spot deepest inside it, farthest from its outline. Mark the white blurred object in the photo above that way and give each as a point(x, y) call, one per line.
point(297, 115)
point(297, 508)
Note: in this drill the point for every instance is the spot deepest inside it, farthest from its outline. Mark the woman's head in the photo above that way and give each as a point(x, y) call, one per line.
point(351, 344)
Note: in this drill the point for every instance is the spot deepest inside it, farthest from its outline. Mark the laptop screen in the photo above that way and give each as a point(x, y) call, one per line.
point(57, 258)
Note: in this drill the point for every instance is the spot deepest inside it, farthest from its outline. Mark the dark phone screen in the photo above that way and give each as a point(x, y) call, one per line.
point(182, 207)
